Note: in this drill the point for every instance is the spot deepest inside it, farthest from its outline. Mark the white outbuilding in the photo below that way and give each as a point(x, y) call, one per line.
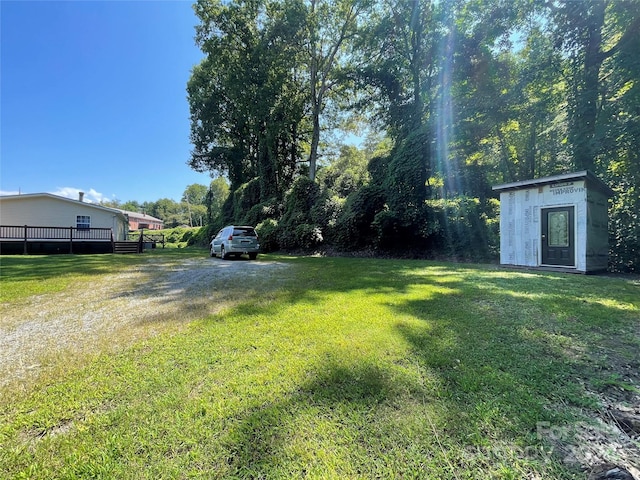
point(558, 222)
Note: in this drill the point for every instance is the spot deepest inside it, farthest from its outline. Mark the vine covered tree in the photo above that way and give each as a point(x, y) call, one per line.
point(462, 95)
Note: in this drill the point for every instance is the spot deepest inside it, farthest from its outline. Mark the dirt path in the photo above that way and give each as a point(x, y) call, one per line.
point(116, 309)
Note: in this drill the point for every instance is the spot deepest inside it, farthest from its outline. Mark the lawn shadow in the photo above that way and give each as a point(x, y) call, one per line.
point(333, 410)
point(509, 350)
point(517, 351)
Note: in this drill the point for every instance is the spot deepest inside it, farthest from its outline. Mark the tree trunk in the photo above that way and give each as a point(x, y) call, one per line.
point(587, 89)
point(315, 141)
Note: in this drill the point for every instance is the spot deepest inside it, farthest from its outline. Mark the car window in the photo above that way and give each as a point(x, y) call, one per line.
point(219, 234)
point(244, 232)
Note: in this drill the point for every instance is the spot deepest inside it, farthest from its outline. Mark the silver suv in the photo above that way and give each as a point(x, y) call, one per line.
point(235, 240)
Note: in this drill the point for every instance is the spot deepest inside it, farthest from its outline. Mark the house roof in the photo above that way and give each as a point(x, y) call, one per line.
point(50, 196)
point(592, 180)
point(142, 216)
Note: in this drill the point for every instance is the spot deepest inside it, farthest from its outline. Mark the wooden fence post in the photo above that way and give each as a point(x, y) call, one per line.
point(140, 244)
point(70, 239)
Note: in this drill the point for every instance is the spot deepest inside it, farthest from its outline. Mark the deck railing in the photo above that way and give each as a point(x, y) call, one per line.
point(143, 237)
point(26, 233)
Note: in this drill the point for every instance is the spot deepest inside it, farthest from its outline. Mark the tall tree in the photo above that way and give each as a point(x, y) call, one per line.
point(399, 45)
point(590, 36)
point(245, 96)
point(216, 196)
point(195, 194)
point(331, 27)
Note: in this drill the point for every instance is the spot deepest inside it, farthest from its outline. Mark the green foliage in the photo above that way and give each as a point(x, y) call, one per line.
point(353, 228)
point(389, 232)
point(240, 202)
point(187, 236)
point(407, 173)
point(405, 222)
point(296, 226)
point(177, 235)
point(268, 234)
point(195, 194)
point(474, 95)
point(170, 212)
point(306, 237)
point(245, 97)
point(203, 235)
point(300, 200)
point(466, 227)
point(378, 167)
point(131, 206)
point(270, 209)
point(624, 226)
point(217, 194)
point(325, 213)
point(347, 173)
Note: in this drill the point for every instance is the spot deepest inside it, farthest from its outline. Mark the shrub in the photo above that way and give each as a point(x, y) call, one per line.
point(308, 236)
point(299, 201)
point(298, 204)
point(410, 231)
point(262, 211)
point(204, 235)
point(624, 230)
point(405, 183)
point(240, 202)
point(268, 232)
point(466, 227)
point(353, 227)
point(325, 213)
point(175, 235)
point(187, 235)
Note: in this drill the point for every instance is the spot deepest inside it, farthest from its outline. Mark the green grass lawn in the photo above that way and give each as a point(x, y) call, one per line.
point(354, 368)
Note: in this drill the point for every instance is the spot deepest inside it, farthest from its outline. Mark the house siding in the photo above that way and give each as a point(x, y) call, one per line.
point(51, 211)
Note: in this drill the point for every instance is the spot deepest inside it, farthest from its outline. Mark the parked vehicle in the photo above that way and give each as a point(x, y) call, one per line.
point(235, 240)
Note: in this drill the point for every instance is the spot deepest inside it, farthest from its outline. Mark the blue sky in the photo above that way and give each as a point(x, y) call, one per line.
point(93, 98)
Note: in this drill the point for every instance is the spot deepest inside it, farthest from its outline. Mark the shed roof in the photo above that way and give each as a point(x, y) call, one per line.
point(592, 181)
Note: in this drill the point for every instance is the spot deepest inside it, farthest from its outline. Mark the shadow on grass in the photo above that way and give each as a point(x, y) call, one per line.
point(43, 267)
point(336, 409)
point(491, 354)
point(509, 351)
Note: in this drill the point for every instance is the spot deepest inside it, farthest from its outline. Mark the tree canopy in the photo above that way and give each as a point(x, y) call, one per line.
point(463, 95)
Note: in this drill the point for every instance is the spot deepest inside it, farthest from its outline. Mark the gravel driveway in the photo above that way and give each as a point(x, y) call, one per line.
point(114, 310)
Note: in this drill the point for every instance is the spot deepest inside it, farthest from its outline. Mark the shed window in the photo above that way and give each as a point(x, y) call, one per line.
point(83, 222)
point(558, 226)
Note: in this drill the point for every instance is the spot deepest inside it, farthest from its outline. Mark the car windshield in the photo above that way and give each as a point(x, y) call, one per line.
point(244, 232)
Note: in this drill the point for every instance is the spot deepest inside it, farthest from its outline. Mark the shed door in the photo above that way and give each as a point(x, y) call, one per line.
point(558, 236)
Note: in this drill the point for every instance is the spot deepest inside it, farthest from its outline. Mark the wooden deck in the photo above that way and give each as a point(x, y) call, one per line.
point(40, 239)
point(26, 239)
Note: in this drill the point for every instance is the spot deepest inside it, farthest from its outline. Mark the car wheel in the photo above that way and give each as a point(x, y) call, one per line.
point(253, 256)
point(213, 253)
point(223, 254)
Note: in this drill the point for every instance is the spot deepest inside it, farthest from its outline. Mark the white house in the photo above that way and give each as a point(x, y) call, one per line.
point(43, 218)
point(558, 222)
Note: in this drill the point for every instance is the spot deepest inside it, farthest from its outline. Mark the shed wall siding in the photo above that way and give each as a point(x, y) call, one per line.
point(597, 254)
point(520, 217)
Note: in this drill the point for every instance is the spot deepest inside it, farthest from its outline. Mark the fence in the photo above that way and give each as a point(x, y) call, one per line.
point(147, 238)
point(26, 234)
